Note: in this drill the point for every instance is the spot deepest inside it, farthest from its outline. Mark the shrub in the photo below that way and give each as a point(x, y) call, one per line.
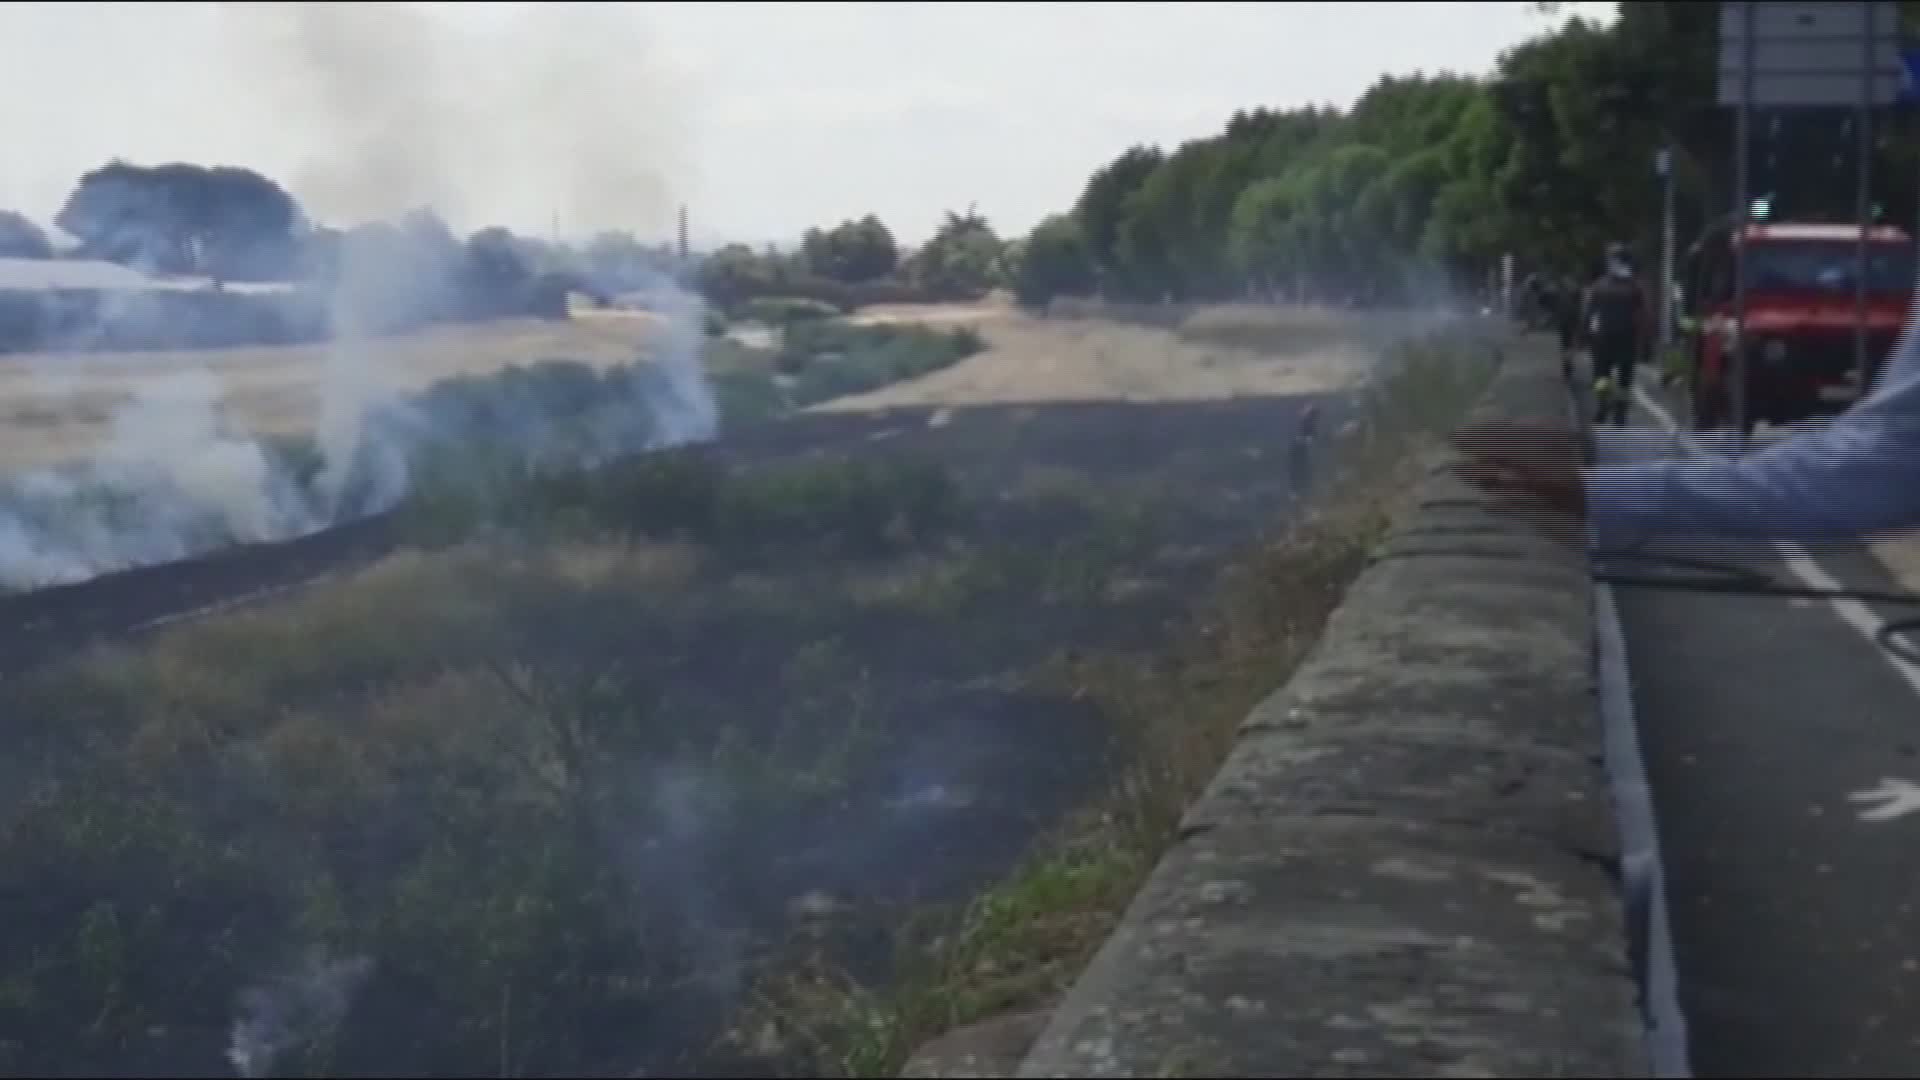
point(785, 310)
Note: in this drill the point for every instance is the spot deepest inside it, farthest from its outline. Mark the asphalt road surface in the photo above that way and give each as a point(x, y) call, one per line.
point(1783, 750)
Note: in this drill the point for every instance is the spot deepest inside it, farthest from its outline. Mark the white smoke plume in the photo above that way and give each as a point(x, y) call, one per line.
point(561, 108)
point(292, 1011)
point(564, 109)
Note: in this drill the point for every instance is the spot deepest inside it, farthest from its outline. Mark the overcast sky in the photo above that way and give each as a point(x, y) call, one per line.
point(761, 118)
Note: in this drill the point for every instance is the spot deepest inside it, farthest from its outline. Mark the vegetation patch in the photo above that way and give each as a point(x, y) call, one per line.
point(1018, 944)
point(615, 754)
point(816, 359)
point(462, 453)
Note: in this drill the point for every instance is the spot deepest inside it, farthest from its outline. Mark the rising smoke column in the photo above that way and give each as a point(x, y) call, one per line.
point(561, 109)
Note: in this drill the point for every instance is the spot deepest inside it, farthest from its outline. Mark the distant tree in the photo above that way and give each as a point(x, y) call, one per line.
point(394, 276)
point(617, 262)
point(319, 258)
point(20, 238)
point(431, 242)
point(1431, 179)
point(852, 252)
point(1103, 207)
point(733, 274)
point(494, 277)
point(965, 257)
point(1053, 261)
point(186, 219)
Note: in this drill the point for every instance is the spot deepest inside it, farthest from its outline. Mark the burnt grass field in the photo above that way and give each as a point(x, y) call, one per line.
point(775, 755)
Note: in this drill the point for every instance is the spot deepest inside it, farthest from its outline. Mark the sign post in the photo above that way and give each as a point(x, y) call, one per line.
point(1911, 58)
point(1828, 54)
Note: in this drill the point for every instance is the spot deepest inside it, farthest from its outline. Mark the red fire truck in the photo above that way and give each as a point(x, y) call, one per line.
point(1798, 336)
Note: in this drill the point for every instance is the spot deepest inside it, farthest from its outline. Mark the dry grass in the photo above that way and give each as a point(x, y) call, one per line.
point(59, 406)
point(1213, 354)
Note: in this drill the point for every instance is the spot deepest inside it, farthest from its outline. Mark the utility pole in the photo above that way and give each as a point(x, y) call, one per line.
point(1863, 180)
point(683, 233)
point(1742, 215)
point(1663, 164)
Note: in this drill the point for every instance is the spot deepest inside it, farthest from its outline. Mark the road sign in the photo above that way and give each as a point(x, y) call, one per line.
point(1825, 53)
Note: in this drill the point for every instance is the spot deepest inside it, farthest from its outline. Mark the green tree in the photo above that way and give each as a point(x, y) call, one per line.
point(185, 219)
point(852, 252)
point(964, 259)
point(1053, 261)
point(1102, 209)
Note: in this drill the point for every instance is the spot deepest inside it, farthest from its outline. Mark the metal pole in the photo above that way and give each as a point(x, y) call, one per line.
point(1741, 215)
point(1666, 254)
point(1863, 180)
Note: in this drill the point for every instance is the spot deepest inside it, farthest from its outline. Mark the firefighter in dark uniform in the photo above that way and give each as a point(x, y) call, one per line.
point(1615, 323)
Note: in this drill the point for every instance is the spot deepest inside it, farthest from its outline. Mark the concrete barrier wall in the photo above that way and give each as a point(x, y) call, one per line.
point(1408, 865)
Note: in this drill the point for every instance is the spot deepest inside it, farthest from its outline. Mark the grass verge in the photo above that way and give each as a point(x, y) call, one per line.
point(1019, 944)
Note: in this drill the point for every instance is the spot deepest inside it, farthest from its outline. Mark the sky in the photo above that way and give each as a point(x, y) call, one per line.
point(761, 119)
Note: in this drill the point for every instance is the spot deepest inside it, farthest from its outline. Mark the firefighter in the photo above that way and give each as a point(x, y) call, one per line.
point(1615, 323)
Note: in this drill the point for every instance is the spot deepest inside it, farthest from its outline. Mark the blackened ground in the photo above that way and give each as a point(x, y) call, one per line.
point(974, 760)
point(992, 445)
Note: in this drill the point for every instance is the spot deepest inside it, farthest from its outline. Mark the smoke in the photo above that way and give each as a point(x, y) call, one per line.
point(293, 1011)
point(562, 109)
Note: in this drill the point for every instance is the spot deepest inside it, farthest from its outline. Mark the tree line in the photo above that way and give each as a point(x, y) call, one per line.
point(1415, 191)
point(1418, 190)
point(1427, 181)
point(234, 224)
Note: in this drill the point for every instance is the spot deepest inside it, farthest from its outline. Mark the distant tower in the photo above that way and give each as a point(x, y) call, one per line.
point(683, 232)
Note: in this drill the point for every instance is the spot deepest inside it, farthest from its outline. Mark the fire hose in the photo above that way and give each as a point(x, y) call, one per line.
point(1728, 579)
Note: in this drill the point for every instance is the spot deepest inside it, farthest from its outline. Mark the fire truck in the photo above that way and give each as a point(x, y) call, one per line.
point(1798, 337)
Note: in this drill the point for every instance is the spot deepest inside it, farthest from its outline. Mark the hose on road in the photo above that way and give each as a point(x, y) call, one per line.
point(1628, 569)
point(1680, 574)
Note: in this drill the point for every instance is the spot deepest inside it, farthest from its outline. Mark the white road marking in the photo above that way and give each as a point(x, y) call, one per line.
point(1897, 799)
point(1802, 566)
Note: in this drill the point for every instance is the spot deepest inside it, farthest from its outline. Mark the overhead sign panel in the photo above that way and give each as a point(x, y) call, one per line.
point(1820, 54)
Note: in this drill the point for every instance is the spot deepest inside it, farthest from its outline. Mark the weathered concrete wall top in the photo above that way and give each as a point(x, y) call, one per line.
point(1408, 865)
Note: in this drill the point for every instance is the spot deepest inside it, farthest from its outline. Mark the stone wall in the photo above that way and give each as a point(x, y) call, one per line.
point(1409, 864)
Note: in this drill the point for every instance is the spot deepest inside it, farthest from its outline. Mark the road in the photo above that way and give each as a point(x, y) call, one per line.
point(1783, 750)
